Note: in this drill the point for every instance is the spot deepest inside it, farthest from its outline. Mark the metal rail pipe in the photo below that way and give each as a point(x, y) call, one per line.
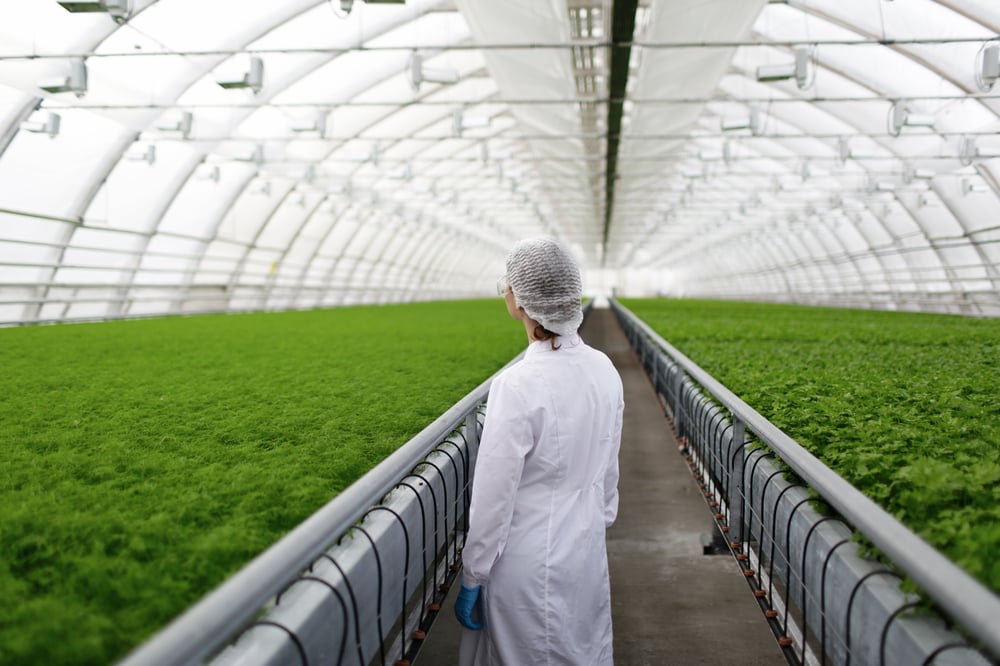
point(206, 626)
point(975, 608)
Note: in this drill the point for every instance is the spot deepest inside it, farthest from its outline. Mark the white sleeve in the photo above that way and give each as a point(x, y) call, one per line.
point(507, 439)
point(611, 474)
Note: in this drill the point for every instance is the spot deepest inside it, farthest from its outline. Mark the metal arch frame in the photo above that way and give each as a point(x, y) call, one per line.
point(268, 218)
point(907, 53)
point(114, 157)
point(928, 241)
point(831, 229)
point(198, 259)
point(806, 135)
point(428, 254)
point(948, 4)
point(250, 110)
point(768, 157)
point(423, 254)
point(308, 264)
point(394, 249)
point(331, 272)
point(378, 245)
point(248, 248)
point(273, 277)
point(119, 307)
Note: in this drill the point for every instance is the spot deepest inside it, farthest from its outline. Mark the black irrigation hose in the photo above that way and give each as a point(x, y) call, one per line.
point(788, 567)
point(718, 466)
point(423, 549)
point(947, 646)
point(378, 605)
point(850, 605)
point(406, 575)
point(434, 506)
point(802, 577)
point(343, 609)
point(822, 596)
point(748, 495)
point(463, 453)
point(354, 606)
point(454, 540)
point(444, 509)
point(885, 629)
point(774, 544)
point(760, 539)
point(291, 634)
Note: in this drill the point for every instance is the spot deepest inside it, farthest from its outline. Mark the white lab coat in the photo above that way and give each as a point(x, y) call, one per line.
point(545, 490)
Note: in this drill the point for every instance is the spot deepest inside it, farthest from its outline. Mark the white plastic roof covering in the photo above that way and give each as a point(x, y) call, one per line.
point(338, 181)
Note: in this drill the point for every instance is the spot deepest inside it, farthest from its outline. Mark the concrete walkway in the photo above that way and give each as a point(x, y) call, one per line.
point(670, 603)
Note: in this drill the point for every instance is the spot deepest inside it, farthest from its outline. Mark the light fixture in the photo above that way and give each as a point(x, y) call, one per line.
point(257, 156)
point(75, 82)
point(987, 68)
point(874, 185)
point(405, 172)
point(899, 116)
point(49, 126)
point(183, 125)
point(912, 173)
point(968, 187)
point(253, 79)
point(459, 122)
point(319, 125)
point(119, 9)
point(148, 155)
point(799, 70)
point(752, 122)
point(417, 73)
point(843, 149)
point(213, 174)
point(967, 150)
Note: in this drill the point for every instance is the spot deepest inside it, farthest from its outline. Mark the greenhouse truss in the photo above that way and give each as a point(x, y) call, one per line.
point(178, 156)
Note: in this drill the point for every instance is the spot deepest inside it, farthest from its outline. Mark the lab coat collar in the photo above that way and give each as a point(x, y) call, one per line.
point(566, 342)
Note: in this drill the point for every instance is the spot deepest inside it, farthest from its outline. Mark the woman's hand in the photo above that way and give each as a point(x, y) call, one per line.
point(466, 601)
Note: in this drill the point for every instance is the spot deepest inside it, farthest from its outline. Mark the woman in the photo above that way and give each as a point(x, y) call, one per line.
point(535, 584)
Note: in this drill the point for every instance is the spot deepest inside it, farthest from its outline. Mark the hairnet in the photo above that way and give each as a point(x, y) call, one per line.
point(546, 283)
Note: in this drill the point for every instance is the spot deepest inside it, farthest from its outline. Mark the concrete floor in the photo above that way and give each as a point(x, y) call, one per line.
point(670, 603)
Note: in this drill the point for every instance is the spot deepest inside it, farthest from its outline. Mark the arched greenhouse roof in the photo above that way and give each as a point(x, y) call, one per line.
point(172, 156)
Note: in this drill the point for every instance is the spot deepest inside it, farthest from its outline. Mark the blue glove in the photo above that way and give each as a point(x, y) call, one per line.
point(467, 598)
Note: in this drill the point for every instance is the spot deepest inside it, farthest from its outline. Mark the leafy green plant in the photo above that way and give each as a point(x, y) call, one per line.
point(142, 462)
point(904, 406)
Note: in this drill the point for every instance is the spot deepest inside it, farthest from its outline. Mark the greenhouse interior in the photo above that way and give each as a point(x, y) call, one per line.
point(249, 263)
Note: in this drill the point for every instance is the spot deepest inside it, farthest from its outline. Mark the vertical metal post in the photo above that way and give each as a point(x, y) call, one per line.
point(472, 438)
point(678, 414)
point(735, 497)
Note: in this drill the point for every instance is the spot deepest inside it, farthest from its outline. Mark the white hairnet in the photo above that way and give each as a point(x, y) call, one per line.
point(546, 283)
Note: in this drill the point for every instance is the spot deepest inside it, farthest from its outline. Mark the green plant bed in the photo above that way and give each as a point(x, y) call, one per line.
point(142, 462)
point(904, 406)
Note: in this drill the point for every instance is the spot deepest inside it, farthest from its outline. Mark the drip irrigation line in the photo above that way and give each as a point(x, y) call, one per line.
point(291, 634)
point(343, 608)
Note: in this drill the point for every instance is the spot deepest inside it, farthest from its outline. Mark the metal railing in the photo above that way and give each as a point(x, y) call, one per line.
point(364, 573)
point(824, 602)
